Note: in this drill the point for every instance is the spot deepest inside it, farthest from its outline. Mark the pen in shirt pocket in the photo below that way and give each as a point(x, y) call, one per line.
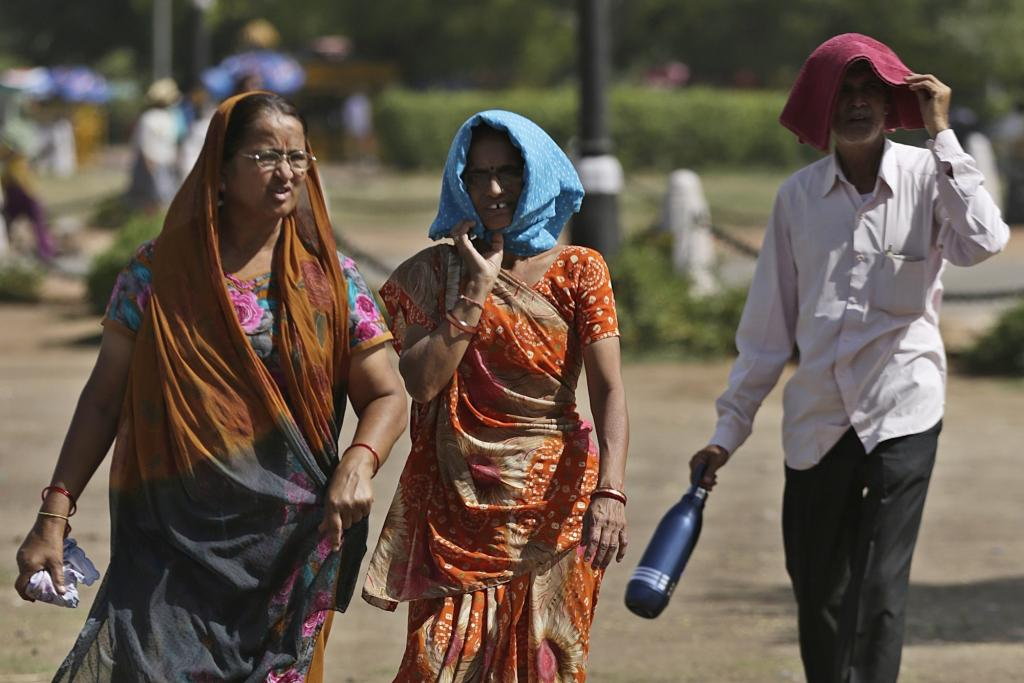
point(901, 257)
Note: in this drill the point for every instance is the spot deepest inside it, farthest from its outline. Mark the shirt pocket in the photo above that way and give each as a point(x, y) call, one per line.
point(901, 284)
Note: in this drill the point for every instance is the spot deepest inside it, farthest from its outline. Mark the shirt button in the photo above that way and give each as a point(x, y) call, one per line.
point(860, 257)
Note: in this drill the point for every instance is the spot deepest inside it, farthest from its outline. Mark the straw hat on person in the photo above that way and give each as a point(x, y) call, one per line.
point(163, 92)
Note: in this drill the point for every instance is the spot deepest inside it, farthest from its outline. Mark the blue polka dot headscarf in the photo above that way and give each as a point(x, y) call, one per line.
point(551, 194)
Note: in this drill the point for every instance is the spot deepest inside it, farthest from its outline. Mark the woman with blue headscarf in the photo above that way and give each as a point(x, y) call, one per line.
point(506, 513)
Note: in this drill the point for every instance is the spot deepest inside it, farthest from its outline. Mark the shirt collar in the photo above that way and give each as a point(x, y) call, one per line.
point(887, 170)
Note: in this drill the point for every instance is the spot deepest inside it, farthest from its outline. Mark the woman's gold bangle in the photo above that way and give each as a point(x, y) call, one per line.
point(53, 514)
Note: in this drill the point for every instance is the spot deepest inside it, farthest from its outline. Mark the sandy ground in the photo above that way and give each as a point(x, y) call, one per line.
point(732, 617)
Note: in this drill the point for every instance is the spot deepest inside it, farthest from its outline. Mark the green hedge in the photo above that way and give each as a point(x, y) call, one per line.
point(657, 313)
point(20, 281)
point(107, 264)
point(692, 128)
point(1001, 350)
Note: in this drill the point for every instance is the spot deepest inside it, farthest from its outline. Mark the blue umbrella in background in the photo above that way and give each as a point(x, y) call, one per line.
point(80, 84)
point(69, 83)
point(268, 70)
point(34, 82)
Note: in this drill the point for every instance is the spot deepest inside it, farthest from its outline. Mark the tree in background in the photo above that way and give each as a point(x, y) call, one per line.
point(977, 45)
point(973, 44)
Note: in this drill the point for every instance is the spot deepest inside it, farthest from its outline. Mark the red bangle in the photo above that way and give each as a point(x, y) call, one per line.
point(62, 491)
point(609, 492)
point(373, 452)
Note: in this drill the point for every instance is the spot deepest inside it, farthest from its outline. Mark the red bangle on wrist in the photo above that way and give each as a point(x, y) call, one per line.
point(63, 492)
point(609, 492)
point(373, 452)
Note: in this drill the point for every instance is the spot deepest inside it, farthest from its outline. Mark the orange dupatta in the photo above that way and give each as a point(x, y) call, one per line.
point(191, 355)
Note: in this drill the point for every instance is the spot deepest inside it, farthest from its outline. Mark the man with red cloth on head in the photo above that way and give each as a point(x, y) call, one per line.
point(849, 276)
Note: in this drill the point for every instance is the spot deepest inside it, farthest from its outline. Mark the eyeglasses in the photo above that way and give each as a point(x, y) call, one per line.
point(269, 159)
point(507, 176)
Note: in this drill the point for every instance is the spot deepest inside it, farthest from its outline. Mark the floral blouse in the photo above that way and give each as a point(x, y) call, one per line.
point(255, 306)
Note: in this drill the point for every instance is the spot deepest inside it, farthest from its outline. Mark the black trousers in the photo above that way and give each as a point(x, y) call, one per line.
point(849, 525)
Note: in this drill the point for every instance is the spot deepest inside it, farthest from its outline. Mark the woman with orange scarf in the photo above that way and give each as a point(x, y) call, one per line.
point(231, 345)
point(506, 514)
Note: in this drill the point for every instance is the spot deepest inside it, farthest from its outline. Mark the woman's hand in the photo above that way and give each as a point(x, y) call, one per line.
point(43, 548)
point(604, 532)
point(349, 494)
point(482, 267)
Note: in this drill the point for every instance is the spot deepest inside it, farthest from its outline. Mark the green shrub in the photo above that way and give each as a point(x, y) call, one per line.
point(693, 128)
point(1001, 350)
point(106, 265)
point(112, 211)
point(415, 129)
point(657, 312)
point(19, 281)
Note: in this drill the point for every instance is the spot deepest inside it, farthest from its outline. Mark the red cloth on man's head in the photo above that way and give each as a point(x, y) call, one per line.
point(808, 111)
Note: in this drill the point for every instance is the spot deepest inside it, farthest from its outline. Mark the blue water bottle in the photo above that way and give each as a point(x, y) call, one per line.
point(653, 581)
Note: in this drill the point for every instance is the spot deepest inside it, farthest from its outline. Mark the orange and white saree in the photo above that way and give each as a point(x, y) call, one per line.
point(483, 536)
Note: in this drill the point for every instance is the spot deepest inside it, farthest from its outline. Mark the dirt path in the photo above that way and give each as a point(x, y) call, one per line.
point(732, 617)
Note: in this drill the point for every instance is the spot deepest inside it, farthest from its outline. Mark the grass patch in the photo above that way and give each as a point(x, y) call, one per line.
point(20, 281)
point(1000, 351)
point(108, 264)
point(657, 313)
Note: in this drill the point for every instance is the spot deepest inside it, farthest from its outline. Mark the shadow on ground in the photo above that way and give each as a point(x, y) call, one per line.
point(990, 611)
point(84, 341)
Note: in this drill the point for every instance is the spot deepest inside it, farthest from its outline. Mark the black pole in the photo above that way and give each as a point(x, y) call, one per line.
point(594, 59)
point(597, 224)
point(201, 38)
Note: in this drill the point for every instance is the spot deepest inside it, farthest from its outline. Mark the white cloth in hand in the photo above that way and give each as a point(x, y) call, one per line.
point(77, 569)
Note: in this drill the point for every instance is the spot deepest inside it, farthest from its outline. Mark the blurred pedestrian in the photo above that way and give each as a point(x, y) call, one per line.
point(200, 112)
point(357, 121)
point(58, 152)
point(849, 278)
point(154, 173)
point(21, 197)
point(231, 345)
point(1008, 136)
point(506, 514)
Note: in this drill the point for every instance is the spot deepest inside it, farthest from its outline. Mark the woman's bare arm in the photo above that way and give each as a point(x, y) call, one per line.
point(605, 530)
point(92, 431)
point(379, 402)
point(429, 358)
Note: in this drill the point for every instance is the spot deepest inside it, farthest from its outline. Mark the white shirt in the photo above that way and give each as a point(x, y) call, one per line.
point(156, 136)
point(856, 287)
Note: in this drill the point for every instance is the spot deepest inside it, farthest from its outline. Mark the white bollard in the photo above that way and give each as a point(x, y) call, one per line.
point(978, 146)
point(688, 217)
point(597, 224)
point(4, 246)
